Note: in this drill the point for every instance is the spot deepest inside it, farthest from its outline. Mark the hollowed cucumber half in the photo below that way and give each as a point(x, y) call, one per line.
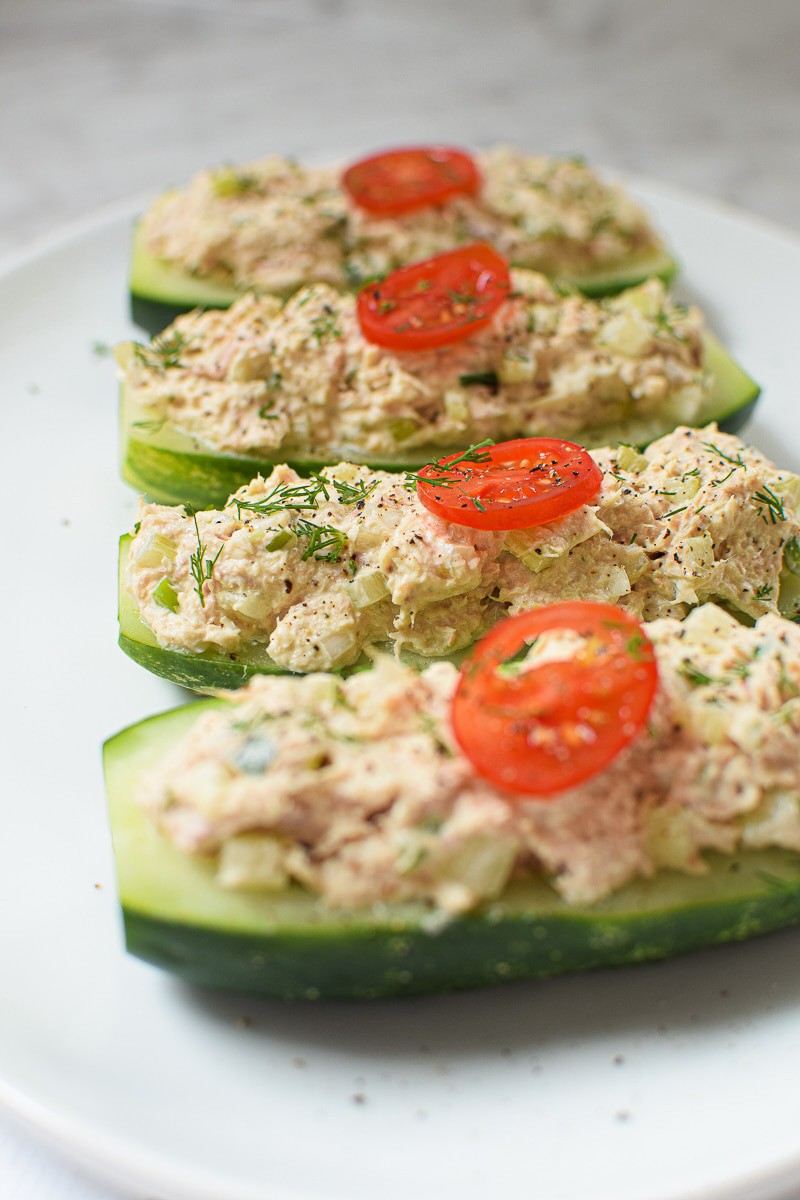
point(160, 290)
point(290, 945)
point(173, 467)
point(214, 669)
point(211, 669)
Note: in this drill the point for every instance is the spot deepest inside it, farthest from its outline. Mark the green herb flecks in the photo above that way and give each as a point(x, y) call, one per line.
point(441, 474)
point(200, 566)
point(664, 325)
point(353, 493)
point(479, 379)
point(736, 462)
point(324, 326)
point(770, 507)
point(694, 675)
point(163, 352)
point(325, 543)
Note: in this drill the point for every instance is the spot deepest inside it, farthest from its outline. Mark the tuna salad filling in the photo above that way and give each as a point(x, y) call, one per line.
point(273, 225)
point(316, 570)
point(357, 790)
point(264, 379)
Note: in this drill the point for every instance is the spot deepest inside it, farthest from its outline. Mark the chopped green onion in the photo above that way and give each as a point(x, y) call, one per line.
point(479, 379)
point(281, 539)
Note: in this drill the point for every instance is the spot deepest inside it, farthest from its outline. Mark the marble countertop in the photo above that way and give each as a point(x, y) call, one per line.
point(103, 99)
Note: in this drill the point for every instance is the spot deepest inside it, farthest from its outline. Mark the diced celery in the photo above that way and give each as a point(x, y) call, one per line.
point(647, 298)
point(697, 554)
point(629, 459)
point(367, 588)
point(403, 428)
point(517, 369)
point(789, 491)
point(165, 595)
point(253, 862)
point(156, 550)
point(339, 648)
point(791, 556)
point(527, 546)
point(456, 405)
point(481, 865)
point(627, 333)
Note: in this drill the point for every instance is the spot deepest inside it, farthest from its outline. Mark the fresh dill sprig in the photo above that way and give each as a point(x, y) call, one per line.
point(773, 505)
point(325, 543)
point(442, 474)
point(200, 566)
point(736, 462)
point(305, 496)
point(164, 351)
point(694, 675)
point(324, 325)
point(287, 497)
point(353, 493)
point(664, 325)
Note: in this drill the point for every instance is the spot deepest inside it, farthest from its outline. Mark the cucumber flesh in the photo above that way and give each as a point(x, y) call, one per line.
point(160, 291)
point(172, 467)
point(291, 946)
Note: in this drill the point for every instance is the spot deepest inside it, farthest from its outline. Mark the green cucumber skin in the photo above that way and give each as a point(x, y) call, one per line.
point(193, 474)
point(190, 670)
point(472, 952)
point(291, 946)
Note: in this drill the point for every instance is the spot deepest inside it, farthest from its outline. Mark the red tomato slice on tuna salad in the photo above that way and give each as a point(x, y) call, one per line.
point(513, 485)
point(436, 301)
point(399, 181)
point(539, 729)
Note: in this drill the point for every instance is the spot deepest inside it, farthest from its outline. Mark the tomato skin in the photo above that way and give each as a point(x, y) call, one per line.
point(541, 731)
point(410, 177)
point(436, 301)
point(523, 483)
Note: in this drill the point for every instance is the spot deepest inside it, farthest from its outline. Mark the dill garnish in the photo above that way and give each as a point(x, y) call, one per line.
point(200, 566)
point(442, 474)
point(164, 351)
point(773, 505)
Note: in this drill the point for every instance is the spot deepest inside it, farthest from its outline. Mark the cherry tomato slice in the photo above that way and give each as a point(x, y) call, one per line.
point(398, 181)
point(514, 485)
point(543, 729)
point(437, 301)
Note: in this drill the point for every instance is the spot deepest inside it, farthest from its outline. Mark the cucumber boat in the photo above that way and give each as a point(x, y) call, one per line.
point(212, 669)
point(160, 290)
point(273, 225)
point(171, 466)
point(292, 946)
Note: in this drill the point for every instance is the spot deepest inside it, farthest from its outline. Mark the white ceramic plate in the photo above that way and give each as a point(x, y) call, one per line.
point(669, 1082)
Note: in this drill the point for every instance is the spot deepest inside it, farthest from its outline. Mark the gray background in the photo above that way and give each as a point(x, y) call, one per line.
point(101, 99)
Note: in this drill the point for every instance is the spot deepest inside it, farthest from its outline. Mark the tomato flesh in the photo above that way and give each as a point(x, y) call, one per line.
point(515, 485)
point(399, 181)
point(541, 729)
point(437, 301)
